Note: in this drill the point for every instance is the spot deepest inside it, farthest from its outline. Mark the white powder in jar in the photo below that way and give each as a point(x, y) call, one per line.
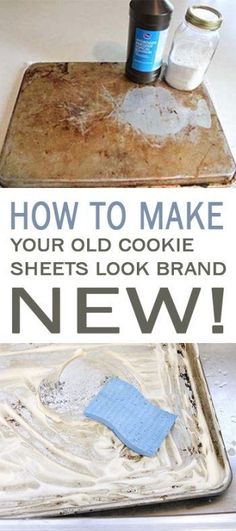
point(187, 66)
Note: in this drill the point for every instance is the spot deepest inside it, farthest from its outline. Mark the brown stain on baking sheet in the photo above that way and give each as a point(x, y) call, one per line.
point(85, 124)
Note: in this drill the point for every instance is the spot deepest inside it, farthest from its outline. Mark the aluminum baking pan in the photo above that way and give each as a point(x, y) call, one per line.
point(54, 462)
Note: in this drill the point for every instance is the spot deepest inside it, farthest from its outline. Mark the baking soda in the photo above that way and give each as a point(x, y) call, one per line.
point(186, 68)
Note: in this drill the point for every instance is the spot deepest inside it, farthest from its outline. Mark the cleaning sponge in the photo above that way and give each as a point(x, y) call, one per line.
point(139, 424)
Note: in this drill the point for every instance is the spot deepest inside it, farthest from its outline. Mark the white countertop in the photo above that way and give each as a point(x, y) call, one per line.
point(96, 30)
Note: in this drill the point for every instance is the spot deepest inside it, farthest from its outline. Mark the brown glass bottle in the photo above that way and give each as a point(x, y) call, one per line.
point(149, 23)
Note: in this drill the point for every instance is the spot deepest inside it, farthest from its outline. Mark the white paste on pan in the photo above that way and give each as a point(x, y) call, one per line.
point(53, 460)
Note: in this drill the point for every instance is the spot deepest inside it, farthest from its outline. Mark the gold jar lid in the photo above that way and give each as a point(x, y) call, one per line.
point(204, 17)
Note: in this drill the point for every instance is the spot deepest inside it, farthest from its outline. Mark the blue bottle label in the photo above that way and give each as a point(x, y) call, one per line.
point(148, 50)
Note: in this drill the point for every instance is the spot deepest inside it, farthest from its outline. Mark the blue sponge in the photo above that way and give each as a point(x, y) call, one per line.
point(139, 424)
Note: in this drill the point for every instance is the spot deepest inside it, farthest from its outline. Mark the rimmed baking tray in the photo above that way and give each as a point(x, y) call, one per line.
point(86, 125)
point(51, 464)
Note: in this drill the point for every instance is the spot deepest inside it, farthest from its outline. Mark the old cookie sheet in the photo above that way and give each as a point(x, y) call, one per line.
point(54, 461)
point(85, 124)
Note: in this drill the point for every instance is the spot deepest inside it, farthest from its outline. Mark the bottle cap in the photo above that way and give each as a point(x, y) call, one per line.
point(153, 14)
point(204, 17)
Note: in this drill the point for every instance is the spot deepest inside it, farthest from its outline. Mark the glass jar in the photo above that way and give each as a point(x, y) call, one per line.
point(194, 45)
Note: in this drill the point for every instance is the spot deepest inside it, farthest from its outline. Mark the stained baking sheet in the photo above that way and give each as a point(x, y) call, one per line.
point(53, 461)
point(85, 124)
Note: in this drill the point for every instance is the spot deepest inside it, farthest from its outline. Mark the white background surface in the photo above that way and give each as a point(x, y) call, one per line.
point(96, 30)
